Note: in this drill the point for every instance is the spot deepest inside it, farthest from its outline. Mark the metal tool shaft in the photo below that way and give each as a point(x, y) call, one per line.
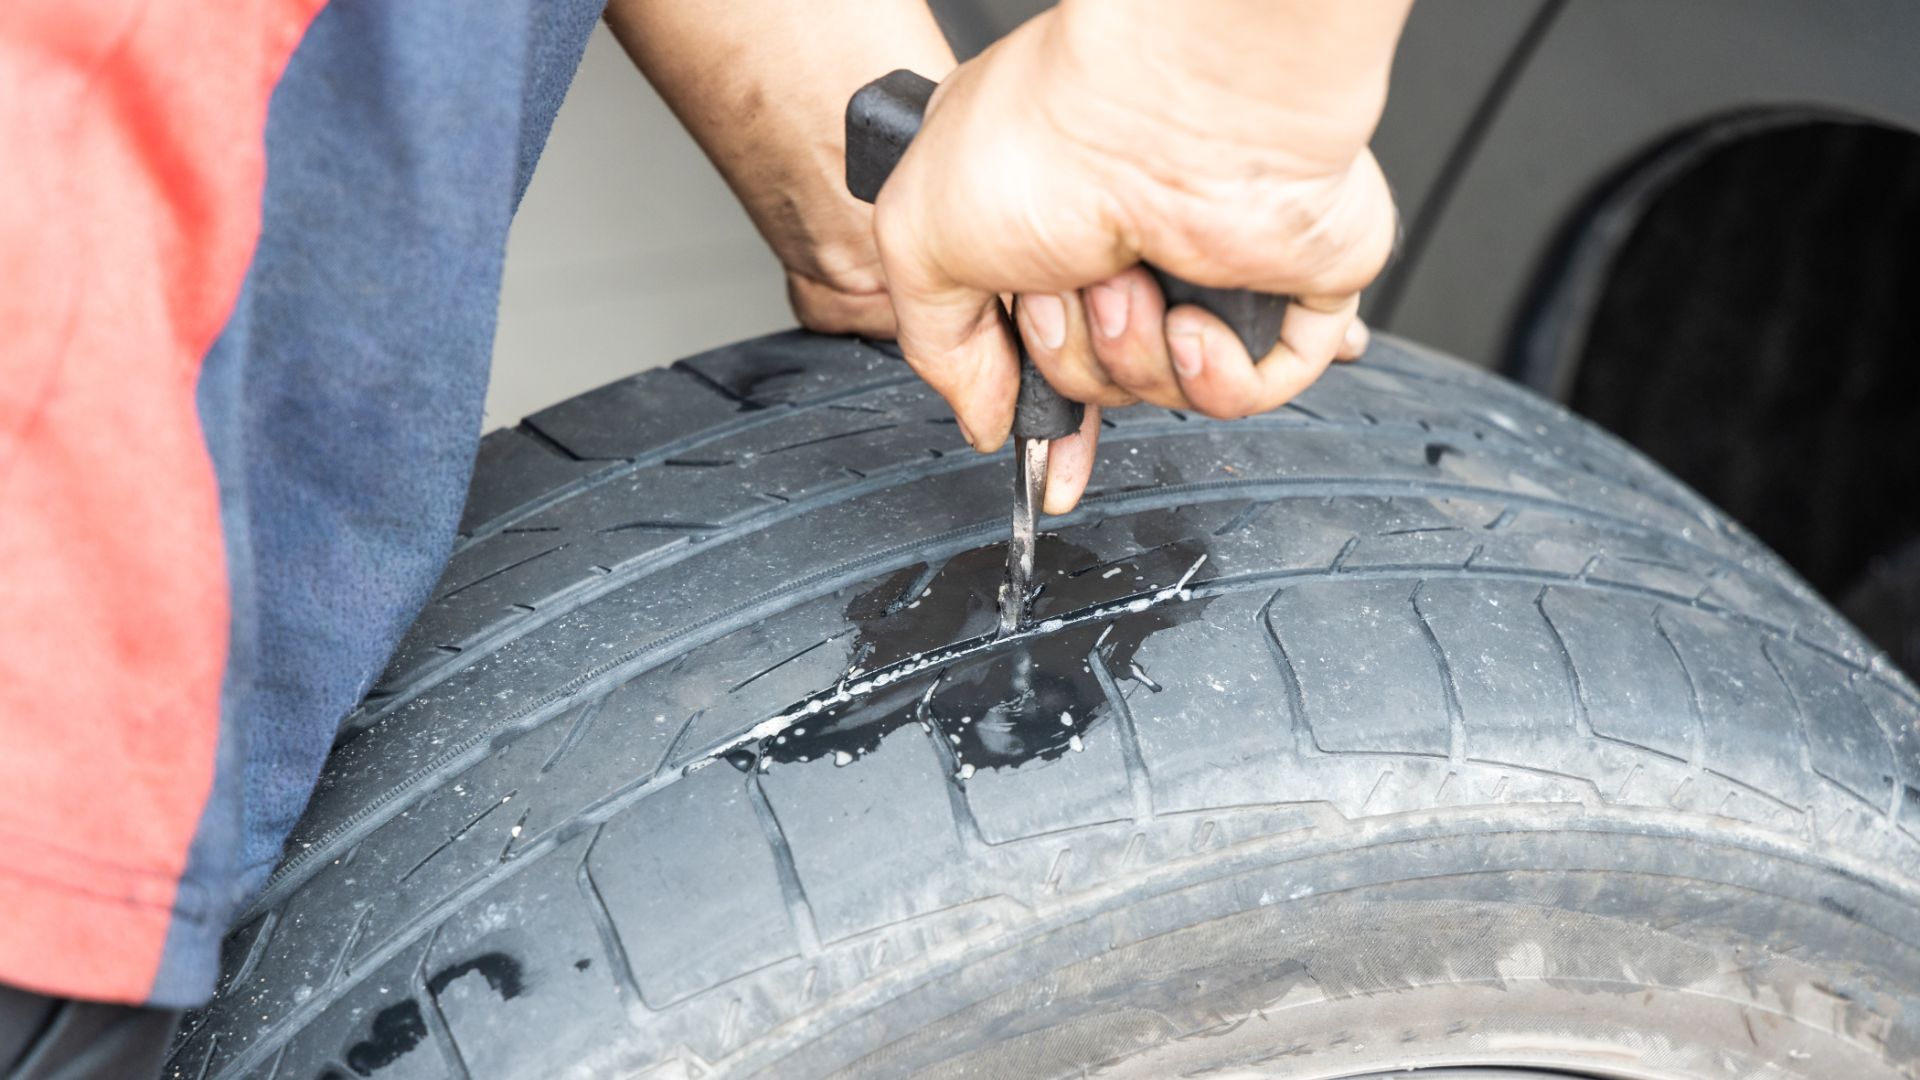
point(1029, 493)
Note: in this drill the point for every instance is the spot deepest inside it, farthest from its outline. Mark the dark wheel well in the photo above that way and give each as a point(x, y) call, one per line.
point(1740, 305)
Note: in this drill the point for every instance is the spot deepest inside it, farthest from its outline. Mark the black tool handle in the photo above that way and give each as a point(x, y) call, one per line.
point(883, 118)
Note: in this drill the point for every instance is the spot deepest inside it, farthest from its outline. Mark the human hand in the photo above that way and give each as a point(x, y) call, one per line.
point(1101, 135)
point(763, 85)
point(848, 299)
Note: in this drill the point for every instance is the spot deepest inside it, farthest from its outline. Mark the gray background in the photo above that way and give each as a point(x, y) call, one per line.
point(628, 250)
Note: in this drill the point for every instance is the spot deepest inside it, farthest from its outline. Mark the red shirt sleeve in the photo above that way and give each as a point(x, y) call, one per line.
point(132, 133)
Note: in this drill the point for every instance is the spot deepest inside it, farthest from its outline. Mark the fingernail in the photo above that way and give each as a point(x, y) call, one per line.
point(964, 433)
point(1047, 314)
point(1109, 309)
point(1356, 336)
point(1189, 354)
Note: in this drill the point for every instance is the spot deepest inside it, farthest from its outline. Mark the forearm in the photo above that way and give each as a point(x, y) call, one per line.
point(763, 86)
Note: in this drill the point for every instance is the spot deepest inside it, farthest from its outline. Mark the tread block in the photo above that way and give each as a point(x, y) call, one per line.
point(1084, 788)
point(1420, 532)
point(523, 958)
point(1288, 533)
point(1749, 727)
point(824, 448)
point(459, 833)
point(637, 415)
point(810, 649)
point(386, 1034)
point(616, 740)
point(1899, 718)
point(1659, 572)
point(1367, 675)
point(808, 367)
point(594, 746)
point(1538, 542)
point(1844, 741)
point(306, 954)
point(852, 886)
point(674, 872)
point(653, 410)
point(1630, 684)
point(511, 469)
point(481, 569)
point(627, 516)
point(1210, 737)
point(1515, 694)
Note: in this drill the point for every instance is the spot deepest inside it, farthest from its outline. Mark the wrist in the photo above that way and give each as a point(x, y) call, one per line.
point(763, 86)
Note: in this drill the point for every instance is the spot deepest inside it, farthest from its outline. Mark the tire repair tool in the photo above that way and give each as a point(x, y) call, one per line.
point(882, 118)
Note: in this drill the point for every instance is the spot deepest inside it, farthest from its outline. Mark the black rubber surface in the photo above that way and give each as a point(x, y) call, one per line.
point(50, 1038)
point(1474, 740)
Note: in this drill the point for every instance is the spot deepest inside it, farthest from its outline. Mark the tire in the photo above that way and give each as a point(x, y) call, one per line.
point(1474, 740)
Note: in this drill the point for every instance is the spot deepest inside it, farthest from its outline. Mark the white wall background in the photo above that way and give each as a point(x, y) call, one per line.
point(628, 250)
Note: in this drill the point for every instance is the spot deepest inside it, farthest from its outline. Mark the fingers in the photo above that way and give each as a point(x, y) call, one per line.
point(1127, 326)
point(1354, 344)
point(825, 309)
point(1054, 328)
point(1222, 381)
point(967, 357)
point(956, 338)
point(1070, 464)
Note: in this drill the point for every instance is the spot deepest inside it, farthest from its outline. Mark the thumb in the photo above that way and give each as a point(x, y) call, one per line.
point(964, 350)
point(960, 340)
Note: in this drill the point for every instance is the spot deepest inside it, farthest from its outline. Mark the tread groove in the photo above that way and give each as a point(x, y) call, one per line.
point(673, 747)
point(1139, 780)
point(1582, 722)
point(608, 931)
point(661, 525)
point(1245, 518)
point(777, 665)
point(575, 731)
point(256, 949)
point(728, 393)
point(436, 1018)
point(540, 438)
point(827, 439)
point(1121, 560)
point(490, 575)
point(1804, 747)
point(799, 912)
point(1456, 719)
point(920, 583)
point(1898, 798)
point(1304, 743)
point(456, 835)
point(343, 964)
point(1697, 734)
point(965, 825)
point(213, 1049)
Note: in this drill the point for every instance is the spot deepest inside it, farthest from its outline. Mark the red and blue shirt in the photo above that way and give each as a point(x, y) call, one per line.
point(249, 265)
